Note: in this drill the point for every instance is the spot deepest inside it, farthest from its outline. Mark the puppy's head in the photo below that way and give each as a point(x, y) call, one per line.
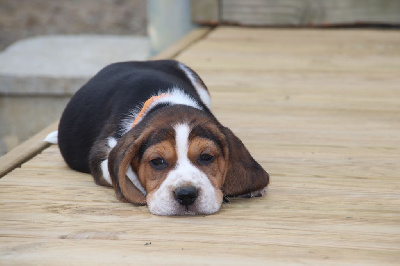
point(185, 161)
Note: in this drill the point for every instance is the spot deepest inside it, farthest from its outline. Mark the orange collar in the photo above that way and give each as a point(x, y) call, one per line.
point(146, 107)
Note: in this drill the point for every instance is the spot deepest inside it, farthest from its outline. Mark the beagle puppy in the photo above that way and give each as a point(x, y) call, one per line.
point(146, 129)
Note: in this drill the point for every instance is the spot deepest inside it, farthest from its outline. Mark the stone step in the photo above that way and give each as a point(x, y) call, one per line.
point(58, 64)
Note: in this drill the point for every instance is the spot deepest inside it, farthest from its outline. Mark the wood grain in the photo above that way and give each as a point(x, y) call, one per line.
point(190, 38)
point(296, 13)
point(312, 109)
point(25, 150)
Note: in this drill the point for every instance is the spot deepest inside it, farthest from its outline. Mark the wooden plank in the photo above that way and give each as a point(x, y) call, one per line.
point(297, 13)
point(327, 133)
point(315, 50)
point(323, 108)
point(297, 221)
point(25, 150)
point(183, 43)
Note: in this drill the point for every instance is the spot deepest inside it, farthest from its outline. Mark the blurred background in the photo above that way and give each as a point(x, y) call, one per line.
point(21, 19)
point(48, 49)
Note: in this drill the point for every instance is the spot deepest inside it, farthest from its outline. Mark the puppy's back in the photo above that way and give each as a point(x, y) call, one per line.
point(106, 99)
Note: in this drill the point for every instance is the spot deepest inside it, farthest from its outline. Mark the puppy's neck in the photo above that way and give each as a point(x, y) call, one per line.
point(174, 96)
point(147, 106)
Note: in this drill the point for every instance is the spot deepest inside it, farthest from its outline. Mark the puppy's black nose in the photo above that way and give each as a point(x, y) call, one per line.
point(186, 195)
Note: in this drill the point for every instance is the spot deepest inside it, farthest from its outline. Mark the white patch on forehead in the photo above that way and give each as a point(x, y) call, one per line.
point(182, 132)
point(201, 90)
point(162, 201)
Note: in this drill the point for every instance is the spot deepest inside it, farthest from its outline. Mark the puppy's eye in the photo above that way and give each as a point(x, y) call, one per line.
point(205, 159)
point(158, 163)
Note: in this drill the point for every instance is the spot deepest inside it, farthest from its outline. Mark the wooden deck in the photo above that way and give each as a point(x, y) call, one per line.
point(320, 110)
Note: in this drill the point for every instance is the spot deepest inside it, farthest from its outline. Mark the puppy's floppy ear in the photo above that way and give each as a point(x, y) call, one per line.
point(119, 160)
point(244, 175)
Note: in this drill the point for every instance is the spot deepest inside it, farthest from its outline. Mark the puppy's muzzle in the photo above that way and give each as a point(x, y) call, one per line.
point(186, 195)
